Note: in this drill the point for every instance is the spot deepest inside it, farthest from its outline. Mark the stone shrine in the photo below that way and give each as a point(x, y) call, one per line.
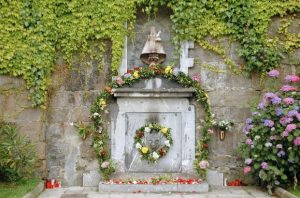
point(154, 101)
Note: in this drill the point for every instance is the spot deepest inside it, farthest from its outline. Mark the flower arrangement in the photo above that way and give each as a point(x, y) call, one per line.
point(146, 152)
point(100, 140)
point(156, 180)
point(224, 125)
point(272, 147)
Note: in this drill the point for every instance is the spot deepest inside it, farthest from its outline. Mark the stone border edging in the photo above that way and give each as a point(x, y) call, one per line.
point(36, 191)
point(281, 193)
point(159, 188)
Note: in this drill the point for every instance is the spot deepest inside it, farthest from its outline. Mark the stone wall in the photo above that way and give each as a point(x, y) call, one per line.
point(61, 152)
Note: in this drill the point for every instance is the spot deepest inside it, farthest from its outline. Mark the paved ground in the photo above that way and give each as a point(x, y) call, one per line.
point(219, 192)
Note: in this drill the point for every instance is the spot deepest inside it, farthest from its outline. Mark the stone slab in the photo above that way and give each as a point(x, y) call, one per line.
point(215, 178)
point(91, 178)
point(197, 188)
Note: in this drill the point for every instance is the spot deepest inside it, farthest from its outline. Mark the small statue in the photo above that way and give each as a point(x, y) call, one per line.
point(153, 52)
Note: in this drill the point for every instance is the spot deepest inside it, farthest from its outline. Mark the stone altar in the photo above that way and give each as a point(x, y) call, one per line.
point(163, 102)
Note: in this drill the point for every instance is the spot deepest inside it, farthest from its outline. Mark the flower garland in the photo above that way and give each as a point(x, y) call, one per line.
point(156, 180)
point(147, 153)
point(101, 139)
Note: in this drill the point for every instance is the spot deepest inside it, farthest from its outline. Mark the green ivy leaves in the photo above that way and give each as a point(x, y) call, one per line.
point(33, 31)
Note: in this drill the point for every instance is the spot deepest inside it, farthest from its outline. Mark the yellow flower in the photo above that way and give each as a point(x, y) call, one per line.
point(168, 70)
point(164, 130)
point(144, 150)
point(136, 74)
point(102, 103)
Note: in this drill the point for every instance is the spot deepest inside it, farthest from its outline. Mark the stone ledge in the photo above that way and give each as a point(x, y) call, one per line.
point(154, 93)
point(281, 193)
point(36, 191)
point(151, 188)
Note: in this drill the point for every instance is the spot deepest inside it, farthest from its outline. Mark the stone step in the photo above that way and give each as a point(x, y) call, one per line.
point(71, 195)
point(151, 188)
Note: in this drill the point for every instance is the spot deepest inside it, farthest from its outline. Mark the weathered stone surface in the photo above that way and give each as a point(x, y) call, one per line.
point(215, 178)
point(196, 188)
point(91, 178)
point(134, 113)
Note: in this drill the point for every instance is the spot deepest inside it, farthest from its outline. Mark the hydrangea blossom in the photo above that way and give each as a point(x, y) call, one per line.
point(269, 123)
point(273, 73)
point(288, 101)
point(292, 78)
point(297, 141)
point(248, 161)
point(272, 139)
point(287, 88)
point(264, 165)
point(290, 127)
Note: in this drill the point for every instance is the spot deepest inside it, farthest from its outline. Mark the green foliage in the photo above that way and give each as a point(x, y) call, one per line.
point(32, 32)
point(18, 189)
point(17, 154)
point(272, 147)
point(84, 130)
point(245, 21)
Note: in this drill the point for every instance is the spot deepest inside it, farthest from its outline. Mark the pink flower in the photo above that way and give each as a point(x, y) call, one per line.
point(120, 81)
point(288, 101)
point(298, 116)
point(287, 88)
point(285, 134)
point(249, 141)
point(196, 77)
point(291, 78)
point(247, 169)
point(290, 127)
point(210, 131)
point(264, 165)
point(285, 120)
point(273, 73)
point(297, 141)
point(203, 164)
point(105, 164)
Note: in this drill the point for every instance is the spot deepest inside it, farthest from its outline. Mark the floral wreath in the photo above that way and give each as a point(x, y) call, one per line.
point(147, 153)
point(100, 136)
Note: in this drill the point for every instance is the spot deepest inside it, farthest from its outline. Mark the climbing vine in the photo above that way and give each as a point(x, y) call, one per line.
point(33, 32)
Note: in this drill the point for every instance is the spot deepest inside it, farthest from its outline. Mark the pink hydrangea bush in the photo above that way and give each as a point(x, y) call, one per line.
point(272, 145)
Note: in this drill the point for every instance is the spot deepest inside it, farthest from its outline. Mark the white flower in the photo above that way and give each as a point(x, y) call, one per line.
point(147, 129)
point(257, 137)
point(167, 143)
point(96, 114)
point(71, 123)
point(138, 145)
point(155, 155)
point(268, 144)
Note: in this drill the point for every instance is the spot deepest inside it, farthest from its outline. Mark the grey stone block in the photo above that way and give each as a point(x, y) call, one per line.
point(199, 188)
point(91, 178)
point(193, 188)
point(214, 178)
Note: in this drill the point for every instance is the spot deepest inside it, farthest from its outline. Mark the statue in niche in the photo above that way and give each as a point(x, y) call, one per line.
point(153, 52)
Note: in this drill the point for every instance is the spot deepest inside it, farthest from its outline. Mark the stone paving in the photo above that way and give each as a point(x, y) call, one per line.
point(215, 192)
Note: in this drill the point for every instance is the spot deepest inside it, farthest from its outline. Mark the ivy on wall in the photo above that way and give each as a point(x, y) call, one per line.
point(32, 32)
